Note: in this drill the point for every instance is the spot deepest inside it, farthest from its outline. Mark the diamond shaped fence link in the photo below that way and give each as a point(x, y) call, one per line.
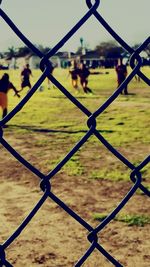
point(45, 185)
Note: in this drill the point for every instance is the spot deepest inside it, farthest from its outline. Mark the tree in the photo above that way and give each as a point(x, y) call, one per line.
point(43, 49)
point(109, 49)
point(136, 46)
point(11, 52)
point(24, 51)
point(1, 55)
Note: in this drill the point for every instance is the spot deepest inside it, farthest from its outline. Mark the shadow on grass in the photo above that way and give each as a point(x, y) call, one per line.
point(45, 130)
point(86, 96)
point(128, 94)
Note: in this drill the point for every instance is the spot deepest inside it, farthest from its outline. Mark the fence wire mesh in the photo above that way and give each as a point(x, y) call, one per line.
point(45, 185)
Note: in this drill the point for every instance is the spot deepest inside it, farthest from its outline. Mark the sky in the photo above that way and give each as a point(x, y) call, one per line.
point(45, 22)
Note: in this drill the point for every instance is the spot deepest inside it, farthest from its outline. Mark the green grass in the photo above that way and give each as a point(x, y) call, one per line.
point(57, 124)
point(74, 167)
point(130, 220)
point(111, 175)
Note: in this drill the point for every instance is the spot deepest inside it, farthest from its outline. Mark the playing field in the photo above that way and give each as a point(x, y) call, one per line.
point(92, 183)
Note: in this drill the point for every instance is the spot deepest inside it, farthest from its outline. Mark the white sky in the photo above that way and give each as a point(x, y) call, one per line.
point(47, 21)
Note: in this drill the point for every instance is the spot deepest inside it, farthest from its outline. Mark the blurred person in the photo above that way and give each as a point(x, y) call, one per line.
point(84, 73)
point(25, 77)
point(51, 72)
point(121, 71)
point(137, 78)
point(74, 71)
point(5, 86)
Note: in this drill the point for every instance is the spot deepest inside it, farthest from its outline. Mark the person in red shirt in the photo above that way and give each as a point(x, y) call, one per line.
point(121, 71)
point(25, 77)
point(5, 86)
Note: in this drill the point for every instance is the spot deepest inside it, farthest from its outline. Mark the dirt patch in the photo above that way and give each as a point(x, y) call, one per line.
point(53, 237)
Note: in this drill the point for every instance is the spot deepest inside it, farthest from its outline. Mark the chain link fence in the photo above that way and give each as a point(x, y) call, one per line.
point(45, 184)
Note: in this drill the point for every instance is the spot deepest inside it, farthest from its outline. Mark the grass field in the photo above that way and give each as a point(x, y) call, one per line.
point(92, 183)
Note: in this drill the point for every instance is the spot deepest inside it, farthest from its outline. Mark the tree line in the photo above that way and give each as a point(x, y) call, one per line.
point(109, 49)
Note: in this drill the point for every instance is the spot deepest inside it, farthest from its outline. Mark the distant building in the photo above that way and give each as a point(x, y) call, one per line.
point(91, 59)
point(21, 62)
point(34, 61)
point(65, 58)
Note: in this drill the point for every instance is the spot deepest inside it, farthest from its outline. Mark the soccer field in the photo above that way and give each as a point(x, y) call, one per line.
point(93, 181)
